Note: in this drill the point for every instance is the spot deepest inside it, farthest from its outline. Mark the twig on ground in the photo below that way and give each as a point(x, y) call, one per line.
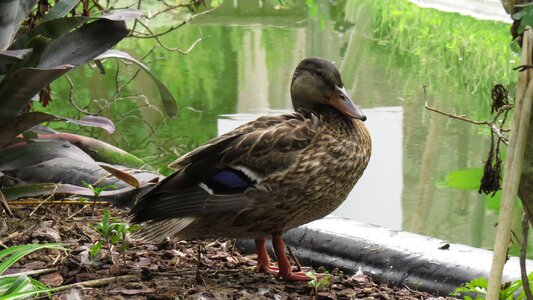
point(43, 201)
point(5, 206)
point(296, 261)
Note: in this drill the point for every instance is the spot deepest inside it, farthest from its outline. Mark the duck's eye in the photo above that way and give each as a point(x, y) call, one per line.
point(343, 97)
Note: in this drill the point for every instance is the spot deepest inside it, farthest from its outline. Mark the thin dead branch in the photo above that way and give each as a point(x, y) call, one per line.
point(184, 52)
point(497, 130)
point(172, 28)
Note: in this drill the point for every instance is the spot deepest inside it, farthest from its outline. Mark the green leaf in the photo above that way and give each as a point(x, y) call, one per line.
point(21, 284)
point(169, 102)
point(466, 179)
point(60, 9)
point(12, 254)
point(95, 249)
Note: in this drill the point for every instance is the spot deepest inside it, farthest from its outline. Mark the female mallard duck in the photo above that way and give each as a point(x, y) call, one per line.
point(267, 176)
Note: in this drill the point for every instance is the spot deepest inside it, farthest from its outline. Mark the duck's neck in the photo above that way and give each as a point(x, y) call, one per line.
point(339, 122)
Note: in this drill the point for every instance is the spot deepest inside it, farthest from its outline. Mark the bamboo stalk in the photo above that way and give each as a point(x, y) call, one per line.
point(513, 170)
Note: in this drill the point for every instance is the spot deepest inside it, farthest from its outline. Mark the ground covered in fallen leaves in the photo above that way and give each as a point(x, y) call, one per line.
point(173, 269)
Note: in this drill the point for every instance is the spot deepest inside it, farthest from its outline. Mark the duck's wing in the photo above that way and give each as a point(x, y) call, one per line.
point(216, 176)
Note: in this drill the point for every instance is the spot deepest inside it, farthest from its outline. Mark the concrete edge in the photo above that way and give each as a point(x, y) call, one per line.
point(395, 257)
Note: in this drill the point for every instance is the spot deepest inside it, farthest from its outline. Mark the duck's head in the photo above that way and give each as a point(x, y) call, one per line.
point(316, 84)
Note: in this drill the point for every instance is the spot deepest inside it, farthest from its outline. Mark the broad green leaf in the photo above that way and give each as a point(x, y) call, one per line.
point(17, 88)
point(168, 100)
point(60, 9)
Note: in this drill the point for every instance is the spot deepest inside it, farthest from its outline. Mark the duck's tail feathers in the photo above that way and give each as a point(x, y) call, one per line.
point(156, 231)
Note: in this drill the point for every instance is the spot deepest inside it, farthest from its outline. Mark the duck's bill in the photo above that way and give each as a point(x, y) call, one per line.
point(342, 102)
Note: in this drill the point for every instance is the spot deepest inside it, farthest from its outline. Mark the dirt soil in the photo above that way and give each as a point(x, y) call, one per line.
point(209, 269)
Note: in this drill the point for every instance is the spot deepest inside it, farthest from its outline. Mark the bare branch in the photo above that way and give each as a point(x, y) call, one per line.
point(492, 124)
point(172, 28)
point(169, 7)
point(71, 96)
point(168, 48)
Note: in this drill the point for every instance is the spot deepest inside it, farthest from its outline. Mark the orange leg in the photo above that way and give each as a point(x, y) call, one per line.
point(263, 260)
point(285, 270)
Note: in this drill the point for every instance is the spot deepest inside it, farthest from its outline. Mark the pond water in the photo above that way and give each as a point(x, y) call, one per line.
point(242, 70)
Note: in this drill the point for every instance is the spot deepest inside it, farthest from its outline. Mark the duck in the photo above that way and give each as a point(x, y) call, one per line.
point(267, 176)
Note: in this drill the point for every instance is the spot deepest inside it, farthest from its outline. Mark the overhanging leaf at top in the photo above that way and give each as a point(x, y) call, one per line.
point(57, 27)
point(12, 13)
point(61, 55)
point(60, 9)
point(169, 102)
point(84, 44)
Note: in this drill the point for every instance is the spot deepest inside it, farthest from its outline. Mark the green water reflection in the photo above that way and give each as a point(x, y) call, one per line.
point(244, 67)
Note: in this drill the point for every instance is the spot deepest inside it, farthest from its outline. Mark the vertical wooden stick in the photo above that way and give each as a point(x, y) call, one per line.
point(513, 168)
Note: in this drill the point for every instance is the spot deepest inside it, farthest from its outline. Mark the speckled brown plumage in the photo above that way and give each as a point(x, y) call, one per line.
point(269, 175)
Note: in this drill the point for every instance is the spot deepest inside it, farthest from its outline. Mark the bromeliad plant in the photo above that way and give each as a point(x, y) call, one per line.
point(32, 57)
point(21, 286)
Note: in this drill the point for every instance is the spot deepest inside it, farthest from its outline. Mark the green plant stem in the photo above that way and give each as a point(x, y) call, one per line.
point(513, 168)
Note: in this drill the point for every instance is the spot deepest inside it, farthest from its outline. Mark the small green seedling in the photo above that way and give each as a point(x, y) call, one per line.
point(318, 283)
point(97, 191)
point(112, 232)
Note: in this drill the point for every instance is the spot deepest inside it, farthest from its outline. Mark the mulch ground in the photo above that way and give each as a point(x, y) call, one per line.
point(208, 269)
